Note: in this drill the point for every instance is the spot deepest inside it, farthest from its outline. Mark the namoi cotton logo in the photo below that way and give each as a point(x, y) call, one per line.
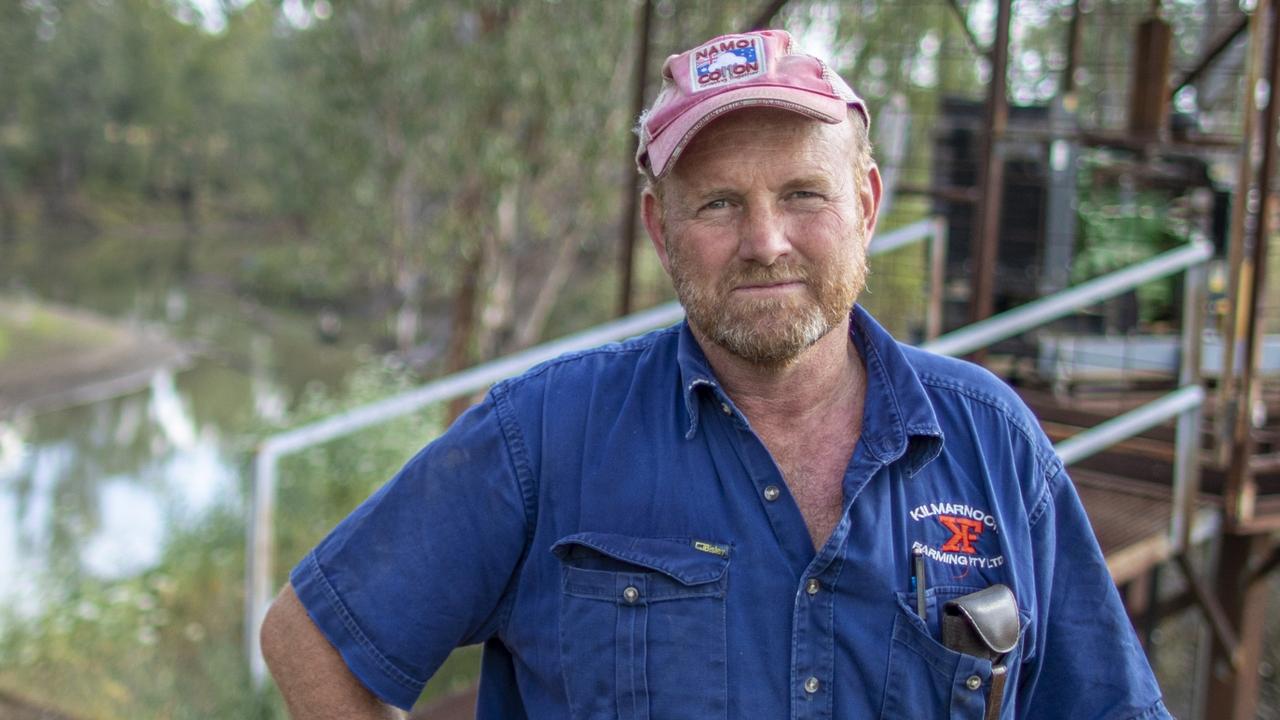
point(727, 60)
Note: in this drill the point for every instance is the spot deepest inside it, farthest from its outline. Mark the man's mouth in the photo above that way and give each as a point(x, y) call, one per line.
point(770, 287)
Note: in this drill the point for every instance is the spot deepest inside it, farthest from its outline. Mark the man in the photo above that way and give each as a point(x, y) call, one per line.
point(761, 512)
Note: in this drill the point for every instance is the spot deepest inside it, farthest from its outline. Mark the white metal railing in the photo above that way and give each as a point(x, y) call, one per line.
point(1184, 403)
point(259, 575)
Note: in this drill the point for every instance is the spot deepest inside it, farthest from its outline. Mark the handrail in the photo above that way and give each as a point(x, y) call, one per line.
point(1140, 419)
point(1038, 312)
point(258, 566)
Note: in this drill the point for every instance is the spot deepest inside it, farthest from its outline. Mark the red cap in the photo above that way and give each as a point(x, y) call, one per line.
point(731, 72)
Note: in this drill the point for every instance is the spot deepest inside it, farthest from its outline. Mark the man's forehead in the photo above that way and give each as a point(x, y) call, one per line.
point(766, 130)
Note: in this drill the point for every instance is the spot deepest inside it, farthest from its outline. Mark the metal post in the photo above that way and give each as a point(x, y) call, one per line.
point(1074, 37)
point(1233, 689)
point(259, 586)
point(1186, 467)
point(1233, 329)
point(986, 242)
point(1241, 487)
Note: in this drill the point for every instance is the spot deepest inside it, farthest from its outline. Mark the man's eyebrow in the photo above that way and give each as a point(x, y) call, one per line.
point(809, 181)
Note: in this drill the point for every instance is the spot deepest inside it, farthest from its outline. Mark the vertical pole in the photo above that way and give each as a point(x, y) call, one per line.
point(1241, 491)
point(1074, 38)
point(1229, 398)
point(1233, 693)
point(258, 582)
point(631, 198)
point(1233, 690)
point(937, 278)
point(991, 185)
point(1186, 468)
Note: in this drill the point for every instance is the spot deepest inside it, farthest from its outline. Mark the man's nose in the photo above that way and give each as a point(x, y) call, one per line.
point(763, 237)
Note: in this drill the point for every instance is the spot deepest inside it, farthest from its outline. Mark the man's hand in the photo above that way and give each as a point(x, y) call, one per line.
point(310, 673)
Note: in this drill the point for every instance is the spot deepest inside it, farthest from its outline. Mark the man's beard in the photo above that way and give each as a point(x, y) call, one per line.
point(770, 332)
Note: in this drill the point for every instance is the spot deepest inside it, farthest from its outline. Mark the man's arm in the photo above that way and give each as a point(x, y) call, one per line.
point(310, 673)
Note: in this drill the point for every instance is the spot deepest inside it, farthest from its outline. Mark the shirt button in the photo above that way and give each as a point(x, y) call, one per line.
point(811, 685)
point(973, 683)
point(813, 586)
point(726, 409)
point(630, 594)
point(771, 492)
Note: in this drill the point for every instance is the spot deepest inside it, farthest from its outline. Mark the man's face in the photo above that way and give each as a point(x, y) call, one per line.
point(763, 227)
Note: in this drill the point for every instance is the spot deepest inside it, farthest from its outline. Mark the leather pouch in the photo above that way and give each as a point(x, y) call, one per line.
point(984, 624)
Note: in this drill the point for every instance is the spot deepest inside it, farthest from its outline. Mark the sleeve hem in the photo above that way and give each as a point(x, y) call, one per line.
point(331, 616)
point(1154, 711)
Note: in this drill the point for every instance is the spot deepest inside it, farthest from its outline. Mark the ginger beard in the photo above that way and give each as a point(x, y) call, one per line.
point(770, 332)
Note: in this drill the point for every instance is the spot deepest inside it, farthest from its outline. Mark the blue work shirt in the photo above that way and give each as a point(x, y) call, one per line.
point(612, 529)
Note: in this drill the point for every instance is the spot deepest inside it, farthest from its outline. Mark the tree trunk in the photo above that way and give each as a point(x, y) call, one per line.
point(464, 321)
point(500, 273)
point(529, 331)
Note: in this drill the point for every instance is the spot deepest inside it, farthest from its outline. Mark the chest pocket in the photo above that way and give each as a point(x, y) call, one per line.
point(928, 681)
point(642, 627)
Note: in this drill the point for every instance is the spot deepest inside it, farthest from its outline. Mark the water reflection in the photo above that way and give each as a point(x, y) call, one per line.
point(92, 492)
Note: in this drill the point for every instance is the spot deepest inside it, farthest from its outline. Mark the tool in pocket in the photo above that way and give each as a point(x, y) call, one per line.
point(984, 624)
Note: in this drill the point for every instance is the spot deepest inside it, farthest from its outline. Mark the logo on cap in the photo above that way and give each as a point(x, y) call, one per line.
point(727, 60)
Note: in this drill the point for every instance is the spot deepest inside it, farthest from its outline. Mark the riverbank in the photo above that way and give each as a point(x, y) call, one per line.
point(53, 357)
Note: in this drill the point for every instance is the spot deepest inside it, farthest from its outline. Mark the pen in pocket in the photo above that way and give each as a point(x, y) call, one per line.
point(917, 580)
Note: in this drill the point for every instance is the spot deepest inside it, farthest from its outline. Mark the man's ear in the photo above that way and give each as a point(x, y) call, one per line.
point(651, 211)
point(869, 195)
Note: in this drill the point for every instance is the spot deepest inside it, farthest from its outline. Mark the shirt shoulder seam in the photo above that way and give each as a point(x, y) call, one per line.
point(1043, 457)
point(518, 457)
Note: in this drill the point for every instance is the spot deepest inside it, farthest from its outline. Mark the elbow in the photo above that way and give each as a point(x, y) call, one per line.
point(274, 634)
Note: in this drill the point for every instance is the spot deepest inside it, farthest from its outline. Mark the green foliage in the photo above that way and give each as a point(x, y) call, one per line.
point(1120, 226)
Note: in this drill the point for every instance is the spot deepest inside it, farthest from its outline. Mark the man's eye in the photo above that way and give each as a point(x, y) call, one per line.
point(716, 205)
point(804, 195)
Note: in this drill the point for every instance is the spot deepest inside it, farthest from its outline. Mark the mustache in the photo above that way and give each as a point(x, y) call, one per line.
point(756, 274)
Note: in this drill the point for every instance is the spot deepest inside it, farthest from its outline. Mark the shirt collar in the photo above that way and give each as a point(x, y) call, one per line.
point(695, 373)
point(898, 417)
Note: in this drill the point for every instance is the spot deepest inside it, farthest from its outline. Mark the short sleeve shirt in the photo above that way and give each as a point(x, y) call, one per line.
point(611, 528)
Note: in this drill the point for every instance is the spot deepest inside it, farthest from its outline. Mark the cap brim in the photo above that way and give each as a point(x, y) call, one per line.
point(664, 149)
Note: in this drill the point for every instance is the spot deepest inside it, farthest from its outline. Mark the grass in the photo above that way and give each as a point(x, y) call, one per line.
point(36, 332)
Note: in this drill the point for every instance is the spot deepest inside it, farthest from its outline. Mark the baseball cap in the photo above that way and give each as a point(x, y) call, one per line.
point(731, 72)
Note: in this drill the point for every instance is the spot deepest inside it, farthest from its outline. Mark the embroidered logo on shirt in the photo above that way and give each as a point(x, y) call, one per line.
point(707, 547)
point(725, 61)
point(965, 525)
point(964, 533)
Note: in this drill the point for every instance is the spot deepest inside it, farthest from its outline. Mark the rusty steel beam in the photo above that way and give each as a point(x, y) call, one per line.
point(1225, 639)
point(1075, 33)
point(1233, 680)
point(1267, 566)
point(631, 197)
point(1233, 323)
point(1211, 55)
point(1242, 489)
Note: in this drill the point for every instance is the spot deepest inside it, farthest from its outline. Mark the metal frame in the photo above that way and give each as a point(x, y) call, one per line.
point(259, 576)
point(1184, 403)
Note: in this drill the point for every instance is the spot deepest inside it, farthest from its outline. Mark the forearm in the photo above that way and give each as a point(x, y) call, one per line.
point(311, 675)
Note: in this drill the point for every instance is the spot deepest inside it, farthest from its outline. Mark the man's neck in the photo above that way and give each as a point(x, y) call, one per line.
point(828, 375)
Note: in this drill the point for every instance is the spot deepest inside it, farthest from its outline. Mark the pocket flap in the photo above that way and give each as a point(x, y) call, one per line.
point(687, 561)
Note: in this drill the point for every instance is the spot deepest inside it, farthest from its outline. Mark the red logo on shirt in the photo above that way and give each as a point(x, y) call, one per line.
point(964, 533)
